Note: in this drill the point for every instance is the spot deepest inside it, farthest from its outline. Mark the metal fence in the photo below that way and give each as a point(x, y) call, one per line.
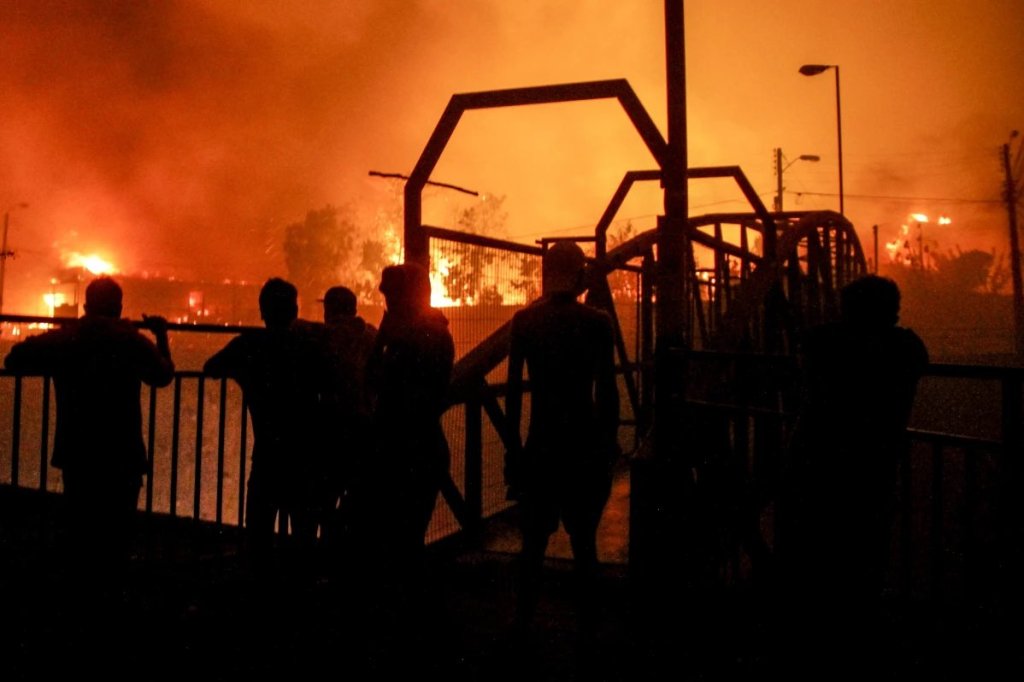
point(958, 512)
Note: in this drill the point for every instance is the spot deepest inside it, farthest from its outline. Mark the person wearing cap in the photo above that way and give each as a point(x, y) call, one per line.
point(349, 340)
point(563, 471)
point(98, 364)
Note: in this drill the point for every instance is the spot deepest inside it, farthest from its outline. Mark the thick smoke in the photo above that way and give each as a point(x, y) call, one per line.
point(181, 137)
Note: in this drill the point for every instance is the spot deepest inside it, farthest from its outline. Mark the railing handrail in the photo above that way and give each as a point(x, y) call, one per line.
point(203, 328)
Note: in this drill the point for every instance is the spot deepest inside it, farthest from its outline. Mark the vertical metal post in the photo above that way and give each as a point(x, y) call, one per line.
point(221, 424)
point(3, 259)
point(150, 449)
point(197, 492)
point(839, 136)
point(659, 524)
point(242, 451)
point(672, 305)
point(778, 179)
point(16, 433)
point(175, 433)
point(1010, 196)
point(44, 435)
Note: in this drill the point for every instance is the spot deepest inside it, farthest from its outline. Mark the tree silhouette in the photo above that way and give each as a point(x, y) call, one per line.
point(318, 248)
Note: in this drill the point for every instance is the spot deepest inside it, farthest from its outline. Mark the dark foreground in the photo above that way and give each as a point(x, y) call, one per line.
point(201, 615)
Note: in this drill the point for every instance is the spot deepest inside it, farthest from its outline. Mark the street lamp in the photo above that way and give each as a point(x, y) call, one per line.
point(780, 169)
point(814, 70)
point(4, 253)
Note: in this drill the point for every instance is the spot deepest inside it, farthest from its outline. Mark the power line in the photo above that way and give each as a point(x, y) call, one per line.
point(954, 200)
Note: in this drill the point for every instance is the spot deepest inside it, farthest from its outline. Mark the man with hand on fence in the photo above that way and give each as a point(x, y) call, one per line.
point(98, 364)
point(282, 372)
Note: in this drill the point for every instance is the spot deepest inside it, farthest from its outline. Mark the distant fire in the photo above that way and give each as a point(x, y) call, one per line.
point(95, 264)
point(438, 290)
point(899, 248)
point(54, 300)
point(914, 250)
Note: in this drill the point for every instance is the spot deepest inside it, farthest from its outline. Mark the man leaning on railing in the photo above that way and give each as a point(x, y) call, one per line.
point(98, 364)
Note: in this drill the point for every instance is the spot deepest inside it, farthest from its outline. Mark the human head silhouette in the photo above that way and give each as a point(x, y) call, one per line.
point(339, 302)
point(406, 288)
point(563, 268)
point(870, 301)
point(103, 297)
point(279, 303)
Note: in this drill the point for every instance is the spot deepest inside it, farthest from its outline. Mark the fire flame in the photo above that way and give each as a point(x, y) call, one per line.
point(439, 272)
point(54, 300)
point(91, 262)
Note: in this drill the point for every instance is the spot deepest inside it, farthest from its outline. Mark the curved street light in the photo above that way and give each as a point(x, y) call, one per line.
point(814, 70)
point(780, 169)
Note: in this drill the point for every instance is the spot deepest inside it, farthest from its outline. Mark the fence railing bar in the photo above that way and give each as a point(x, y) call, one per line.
point(175, 433)
point(244, 418)
point(150, 449)
point(197, 498)
point(221, 428)
point(44, 436)
point(16, 433)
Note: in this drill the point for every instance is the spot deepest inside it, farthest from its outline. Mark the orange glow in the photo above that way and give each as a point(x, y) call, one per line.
point(54, 300)
point(439, 272)
point(91, 262)
point(898, 249)
point(919, 217)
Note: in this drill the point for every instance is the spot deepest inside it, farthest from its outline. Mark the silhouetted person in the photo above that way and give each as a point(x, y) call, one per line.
point(349, 340)
point(393, 498)
point(98, 364)
point(564, 470)
point(281, 370)
point(408, 373)
point(839, 481)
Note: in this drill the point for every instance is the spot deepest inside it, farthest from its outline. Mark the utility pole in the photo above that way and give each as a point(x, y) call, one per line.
point(4, 252)
point(780, 169)
point(778, 179)
point(1010, 196)
point(4, 255)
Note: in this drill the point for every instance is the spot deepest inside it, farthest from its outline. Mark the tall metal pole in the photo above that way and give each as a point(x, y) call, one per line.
point(671, 231)
point(3, 260)
point(814, 70)
point(659, 531)
point(839, 136)
point(4, 253)
point(778, 179)
point(672, 314)
point(1010, 195)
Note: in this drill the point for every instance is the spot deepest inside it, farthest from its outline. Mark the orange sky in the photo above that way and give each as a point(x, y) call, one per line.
point(181, 137)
